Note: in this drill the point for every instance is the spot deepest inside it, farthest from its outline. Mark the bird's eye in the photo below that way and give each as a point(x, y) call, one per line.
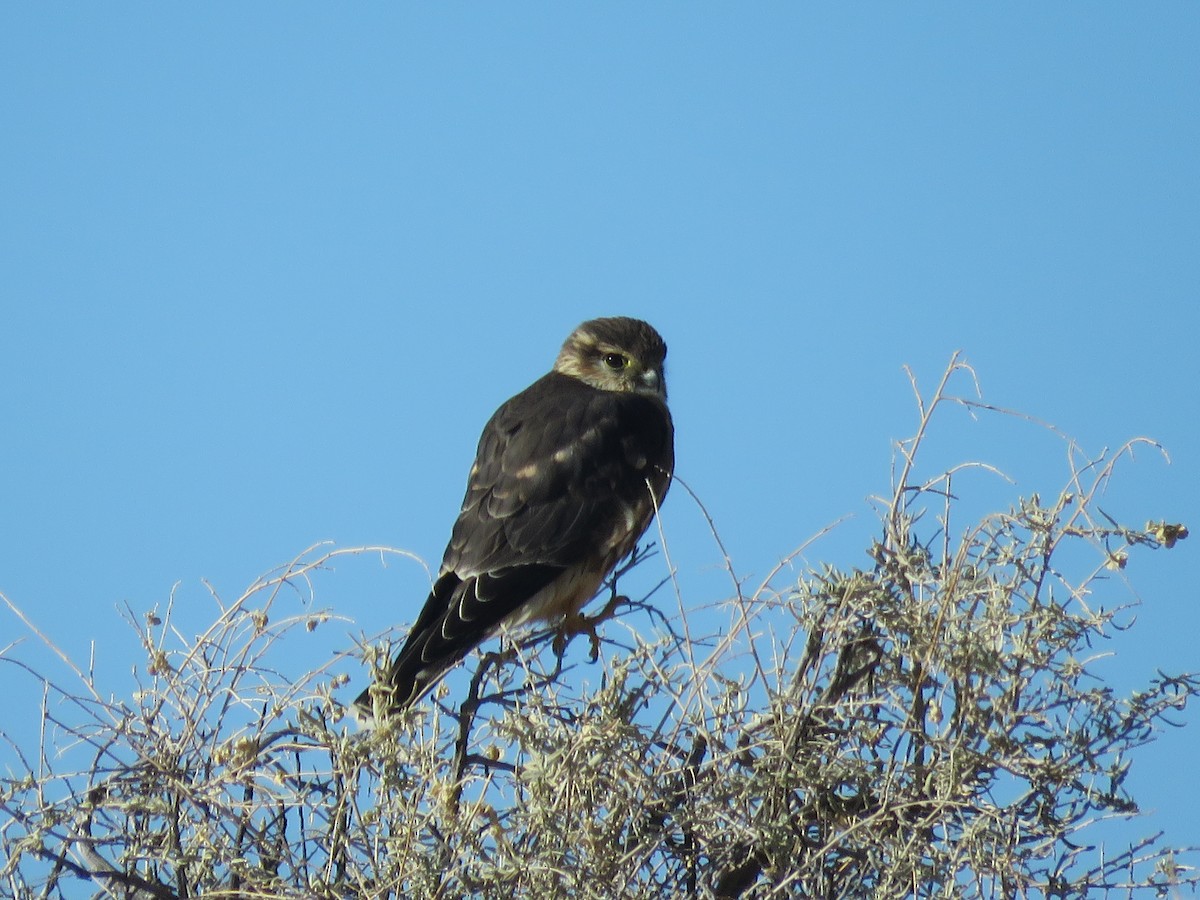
point(615, 361)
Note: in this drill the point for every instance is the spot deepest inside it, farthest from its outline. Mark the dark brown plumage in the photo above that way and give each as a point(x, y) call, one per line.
point(567, 477)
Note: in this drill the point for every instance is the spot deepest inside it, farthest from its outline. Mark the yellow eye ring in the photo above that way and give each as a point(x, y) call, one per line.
point(615, 361)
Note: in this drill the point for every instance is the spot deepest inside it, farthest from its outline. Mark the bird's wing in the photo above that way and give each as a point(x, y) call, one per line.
point(556, 467)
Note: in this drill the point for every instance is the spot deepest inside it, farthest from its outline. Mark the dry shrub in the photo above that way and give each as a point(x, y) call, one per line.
point(928, 725)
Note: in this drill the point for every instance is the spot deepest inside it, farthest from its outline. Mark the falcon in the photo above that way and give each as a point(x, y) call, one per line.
point(568, 475)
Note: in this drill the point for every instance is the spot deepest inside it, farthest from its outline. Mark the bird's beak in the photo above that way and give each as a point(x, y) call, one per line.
point(653, 381)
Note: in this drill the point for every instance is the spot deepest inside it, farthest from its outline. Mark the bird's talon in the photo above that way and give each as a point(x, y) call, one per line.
point(574, 624)
point(595, 641)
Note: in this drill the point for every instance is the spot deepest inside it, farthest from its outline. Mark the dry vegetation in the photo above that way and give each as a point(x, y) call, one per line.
point(929, 725)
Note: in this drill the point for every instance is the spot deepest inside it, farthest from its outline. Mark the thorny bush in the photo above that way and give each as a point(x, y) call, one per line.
point(929, 725)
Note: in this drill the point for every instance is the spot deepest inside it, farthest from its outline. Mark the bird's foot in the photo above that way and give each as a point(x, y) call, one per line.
point(573, 624)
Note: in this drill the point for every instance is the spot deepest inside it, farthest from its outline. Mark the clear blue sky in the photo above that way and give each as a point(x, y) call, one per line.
point(266, 269)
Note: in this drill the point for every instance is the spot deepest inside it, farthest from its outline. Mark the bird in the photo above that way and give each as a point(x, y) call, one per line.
point(567, 476)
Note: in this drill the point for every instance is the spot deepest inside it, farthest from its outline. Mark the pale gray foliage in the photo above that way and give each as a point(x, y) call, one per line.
point(928, 725)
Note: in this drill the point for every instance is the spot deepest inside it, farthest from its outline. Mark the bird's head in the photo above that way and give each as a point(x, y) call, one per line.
point(616, 354)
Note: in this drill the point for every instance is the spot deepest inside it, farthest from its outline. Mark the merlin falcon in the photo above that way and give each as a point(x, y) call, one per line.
point(568, 475)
